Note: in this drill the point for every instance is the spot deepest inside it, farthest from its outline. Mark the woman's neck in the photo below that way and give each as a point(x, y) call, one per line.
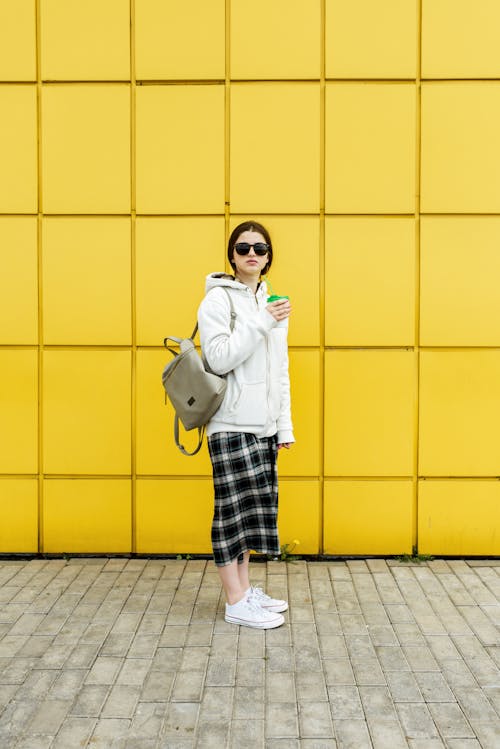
point(249, 279)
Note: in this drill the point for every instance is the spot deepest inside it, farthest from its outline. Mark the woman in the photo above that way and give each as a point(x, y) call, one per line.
point(253, 422)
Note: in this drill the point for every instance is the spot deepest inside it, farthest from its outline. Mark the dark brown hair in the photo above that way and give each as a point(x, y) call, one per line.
point(250, 226)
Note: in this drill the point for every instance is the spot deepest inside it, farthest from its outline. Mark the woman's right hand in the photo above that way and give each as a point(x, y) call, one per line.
point(280, 310)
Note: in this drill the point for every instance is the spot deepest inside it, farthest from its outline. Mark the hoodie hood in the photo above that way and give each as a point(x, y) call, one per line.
point(224, 279)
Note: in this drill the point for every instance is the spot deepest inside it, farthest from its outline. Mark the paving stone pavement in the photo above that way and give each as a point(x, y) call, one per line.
point(129, 653)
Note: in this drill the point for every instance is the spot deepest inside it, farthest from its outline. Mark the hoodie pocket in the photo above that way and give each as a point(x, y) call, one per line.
point(250, 409)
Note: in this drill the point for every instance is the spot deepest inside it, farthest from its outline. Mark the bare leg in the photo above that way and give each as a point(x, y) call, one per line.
point(229, 575)
point(243, 571)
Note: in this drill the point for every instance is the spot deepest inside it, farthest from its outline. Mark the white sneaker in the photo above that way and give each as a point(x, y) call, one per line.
point(248, 613)
point(267, 603)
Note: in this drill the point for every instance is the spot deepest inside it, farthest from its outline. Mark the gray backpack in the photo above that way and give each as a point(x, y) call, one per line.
point(194, 391)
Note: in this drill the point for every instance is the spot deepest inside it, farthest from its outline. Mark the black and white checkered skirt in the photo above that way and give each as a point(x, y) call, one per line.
point(246, 495)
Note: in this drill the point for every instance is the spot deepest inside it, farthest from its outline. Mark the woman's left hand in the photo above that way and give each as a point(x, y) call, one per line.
point(285, 444)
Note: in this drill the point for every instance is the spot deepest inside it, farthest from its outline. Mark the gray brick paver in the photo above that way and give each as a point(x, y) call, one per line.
point(36, 742)
point(403, 687)
point(15, 670)
point(360, 646)
point(476, 588)
point(345, 702)
point(121, 701)
point(475, 705)
point(386, 733)
point(416, 720)
point(104, 670)
point(420, 658)
point(67, 684)
point(157, 686)
point(36, 684)
point(450, 720)
point(249, 702)
point(374, 613)
point(74, 733)
point(480, 624)
point(281, 720)
point(280, 686)
point(90, 700)
point(315, 720)
point(377, 702)
point(246, 733)
point(48, 717)
point(433, 687)
point(188, 686)
point(181, 718)
point(408, 633)
point(352, 734)
point(148, 720)
point(367, 672)
point(14, 718)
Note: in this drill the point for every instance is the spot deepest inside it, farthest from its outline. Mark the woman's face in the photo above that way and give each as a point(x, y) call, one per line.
point(250, 263)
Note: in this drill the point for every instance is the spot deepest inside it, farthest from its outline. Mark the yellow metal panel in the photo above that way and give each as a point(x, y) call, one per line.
point(303, 459)
point(369, 281)
point(295, 271)
point(17, 40)
point(86, 281)
point(85, 41)
point(18, 280)
point(460, 268)
point(460, 164)
point(459, 413)
point(87, 515)
point(368, 517)
point(183, 40)
point(180, 149)
point(299, 515)
point(18, 149)
point(275, 147)
point(459, 517)
point(174, 516)
point(369, 420)
point(19, 513)
point(173, 257)
point(371, 40)
point(460, 39)
point(370, 147)
point(86, 148)
point(286, 45)
point(86, 406)
point(18, 411)
point(156, 450)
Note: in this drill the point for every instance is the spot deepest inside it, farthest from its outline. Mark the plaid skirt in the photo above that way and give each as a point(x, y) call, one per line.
point(246, 495)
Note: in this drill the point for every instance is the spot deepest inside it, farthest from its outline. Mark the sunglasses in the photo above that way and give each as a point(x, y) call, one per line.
point(243, 248)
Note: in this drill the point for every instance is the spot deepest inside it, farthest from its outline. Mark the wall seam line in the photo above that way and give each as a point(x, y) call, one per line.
point(418, 162)
point(40, 503)
point(322, 282)
point(133, 371)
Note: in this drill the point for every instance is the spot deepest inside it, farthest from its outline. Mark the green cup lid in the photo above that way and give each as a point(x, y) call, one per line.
point(276, 297)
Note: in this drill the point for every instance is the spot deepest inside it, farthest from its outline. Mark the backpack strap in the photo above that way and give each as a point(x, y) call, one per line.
point(171, 338)
point(233, 315)
point(201, 432)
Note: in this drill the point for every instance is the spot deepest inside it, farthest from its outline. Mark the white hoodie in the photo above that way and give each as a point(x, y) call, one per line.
point(254, 358)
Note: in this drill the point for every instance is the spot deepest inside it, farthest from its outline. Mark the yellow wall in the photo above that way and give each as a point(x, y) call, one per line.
point(133, 137)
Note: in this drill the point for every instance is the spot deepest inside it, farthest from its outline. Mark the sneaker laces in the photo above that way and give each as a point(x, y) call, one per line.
point(253, 605)
point(259, 593)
